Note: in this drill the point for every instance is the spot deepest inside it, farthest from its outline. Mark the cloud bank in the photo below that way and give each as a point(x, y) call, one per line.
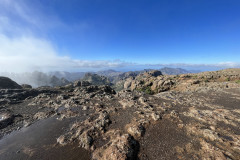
point(29, 54)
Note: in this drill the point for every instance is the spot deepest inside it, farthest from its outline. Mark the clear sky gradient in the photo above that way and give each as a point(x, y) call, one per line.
point(121, 33)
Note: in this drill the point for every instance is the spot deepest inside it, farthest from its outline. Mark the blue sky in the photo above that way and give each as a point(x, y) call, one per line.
point(100, 34)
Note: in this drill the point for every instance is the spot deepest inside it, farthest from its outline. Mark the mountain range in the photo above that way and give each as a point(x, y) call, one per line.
point(58, 78)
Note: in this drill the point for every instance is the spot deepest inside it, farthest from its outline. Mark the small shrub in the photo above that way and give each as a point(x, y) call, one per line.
point(146, 90)
point(195, 77)
point(237, 81)
point(228, 79)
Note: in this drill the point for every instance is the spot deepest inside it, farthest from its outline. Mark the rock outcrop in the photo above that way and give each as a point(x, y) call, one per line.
point(153, 82)
point(7, 83)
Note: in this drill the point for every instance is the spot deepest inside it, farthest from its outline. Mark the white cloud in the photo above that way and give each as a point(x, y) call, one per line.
point(29, 54)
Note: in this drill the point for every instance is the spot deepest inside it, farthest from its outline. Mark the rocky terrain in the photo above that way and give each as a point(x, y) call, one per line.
point(155, 82)
point(116, 76)
point(60, 78)
point(155, 116)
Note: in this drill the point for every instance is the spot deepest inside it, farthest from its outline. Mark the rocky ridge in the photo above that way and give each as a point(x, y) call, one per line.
point(155, 84)
point(191, 116)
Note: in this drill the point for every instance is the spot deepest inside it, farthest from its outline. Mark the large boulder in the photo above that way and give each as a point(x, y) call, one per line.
point(7, 83)
point(5, 119)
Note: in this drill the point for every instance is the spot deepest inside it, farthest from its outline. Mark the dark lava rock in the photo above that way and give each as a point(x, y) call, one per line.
point(7, 83)
point(5, 119)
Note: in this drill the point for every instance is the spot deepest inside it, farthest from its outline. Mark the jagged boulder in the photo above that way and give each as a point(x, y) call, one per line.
point(120, 147)
point(135, 129)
